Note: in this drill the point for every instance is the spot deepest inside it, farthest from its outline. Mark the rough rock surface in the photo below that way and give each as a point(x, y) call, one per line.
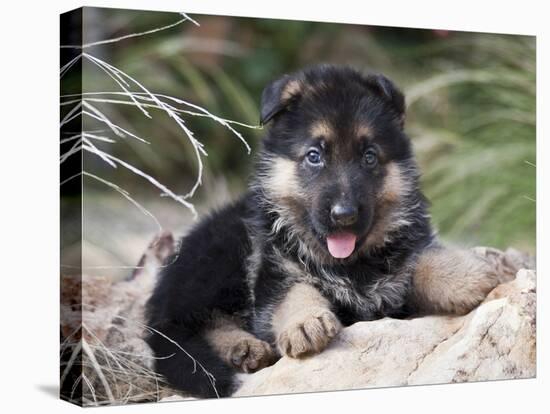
point(495, 341)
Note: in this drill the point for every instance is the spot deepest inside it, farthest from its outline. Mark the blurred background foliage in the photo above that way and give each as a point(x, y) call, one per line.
point(470, 97)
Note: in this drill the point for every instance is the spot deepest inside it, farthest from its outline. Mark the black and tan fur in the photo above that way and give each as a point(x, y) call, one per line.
point(256, 280)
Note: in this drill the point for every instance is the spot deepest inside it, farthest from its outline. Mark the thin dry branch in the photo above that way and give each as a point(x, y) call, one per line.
point(196, 363)
point(197, 146)
point(128, 36)
point(118, 130)
point(117, 78)
point(74, 355)
point(97, 151)
point(204, 113)
point(143, 99)
point(164, 189)
point(65, 68)
point(126, 195)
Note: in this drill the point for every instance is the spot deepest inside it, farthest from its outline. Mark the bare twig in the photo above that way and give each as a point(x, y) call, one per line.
point(164, 189)
point(196, 363)
point(126, 195)
point(143, 100)
point(128, 36)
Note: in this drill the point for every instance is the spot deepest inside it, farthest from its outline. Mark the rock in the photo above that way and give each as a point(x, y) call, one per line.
point(507, 263)
point(495, 341)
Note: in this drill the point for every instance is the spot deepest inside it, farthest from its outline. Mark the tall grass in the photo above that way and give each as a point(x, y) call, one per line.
point(474, 128)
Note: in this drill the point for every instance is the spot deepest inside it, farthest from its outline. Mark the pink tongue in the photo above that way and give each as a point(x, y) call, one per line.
point(341, 245)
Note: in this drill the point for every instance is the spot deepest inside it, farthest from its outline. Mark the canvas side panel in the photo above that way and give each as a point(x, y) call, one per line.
point(71, 208)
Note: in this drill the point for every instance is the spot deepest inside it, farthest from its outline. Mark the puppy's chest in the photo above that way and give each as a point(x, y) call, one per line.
point(367, 294)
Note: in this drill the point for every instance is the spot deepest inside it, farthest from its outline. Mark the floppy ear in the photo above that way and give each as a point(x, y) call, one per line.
point(387, 90)
point(276, 97)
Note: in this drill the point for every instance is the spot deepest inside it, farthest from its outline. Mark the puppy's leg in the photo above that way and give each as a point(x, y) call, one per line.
point(303, 322)
point(238, 348)
point(451, 281)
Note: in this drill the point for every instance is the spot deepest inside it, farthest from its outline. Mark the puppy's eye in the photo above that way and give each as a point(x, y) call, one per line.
point(371, 158)
point(313, 156)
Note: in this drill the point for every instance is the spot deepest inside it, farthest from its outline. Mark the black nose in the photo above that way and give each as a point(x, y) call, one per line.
point(343, 214)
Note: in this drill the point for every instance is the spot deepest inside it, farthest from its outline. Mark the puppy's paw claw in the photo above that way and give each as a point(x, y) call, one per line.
point(251, 354)
point(309, 336)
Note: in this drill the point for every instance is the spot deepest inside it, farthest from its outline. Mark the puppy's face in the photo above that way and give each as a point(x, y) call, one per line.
point(333, 162)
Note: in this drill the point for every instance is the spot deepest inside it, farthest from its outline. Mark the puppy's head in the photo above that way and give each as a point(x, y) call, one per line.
point(336, 164)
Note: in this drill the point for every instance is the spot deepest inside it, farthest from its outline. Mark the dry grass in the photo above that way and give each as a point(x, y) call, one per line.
point(104, 356)
point(139, 96)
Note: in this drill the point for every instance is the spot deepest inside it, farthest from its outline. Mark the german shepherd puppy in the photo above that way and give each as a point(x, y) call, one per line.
point(333, 230)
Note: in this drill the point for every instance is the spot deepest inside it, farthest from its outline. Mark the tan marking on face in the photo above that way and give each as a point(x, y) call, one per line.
point(321, 129)
point(387, 222)
point(236, 346)
point(363, 131)
point(394, 186)
point(376, 234)
point(282, 181)
point(303, 322)
point(291, 89)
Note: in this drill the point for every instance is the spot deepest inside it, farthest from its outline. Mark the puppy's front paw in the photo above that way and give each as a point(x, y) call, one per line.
point(473, 289)
point(309, 333)
point(473, 279)
point(251, 354)
point(452, 281)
